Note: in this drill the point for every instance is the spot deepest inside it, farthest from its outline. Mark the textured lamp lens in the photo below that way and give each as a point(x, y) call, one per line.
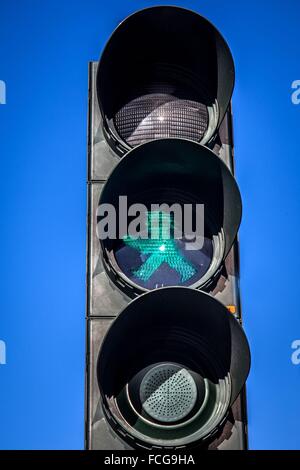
point(168, 393)
point(160, 115)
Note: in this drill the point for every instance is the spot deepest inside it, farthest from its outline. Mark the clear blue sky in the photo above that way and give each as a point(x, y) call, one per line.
point(44, 52)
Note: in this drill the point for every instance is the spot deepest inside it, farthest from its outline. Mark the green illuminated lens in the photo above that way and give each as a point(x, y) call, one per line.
point(160, 247)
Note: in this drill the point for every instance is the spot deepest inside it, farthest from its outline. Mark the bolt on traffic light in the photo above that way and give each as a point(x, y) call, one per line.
point(166, 360)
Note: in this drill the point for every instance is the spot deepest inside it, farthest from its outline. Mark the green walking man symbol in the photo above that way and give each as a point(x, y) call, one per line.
point(161, 249)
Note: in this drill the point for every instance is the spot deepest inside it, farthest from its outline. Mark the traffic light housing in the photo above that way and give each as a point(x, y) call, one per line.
point(149, 115)
point(169, 368)
point(165, 72)
point(172, 171)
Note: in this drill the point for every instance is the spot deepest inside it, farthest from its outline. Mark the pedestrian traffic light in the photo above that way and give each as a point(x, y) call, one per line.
point(172, 171)
point(167, 357)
